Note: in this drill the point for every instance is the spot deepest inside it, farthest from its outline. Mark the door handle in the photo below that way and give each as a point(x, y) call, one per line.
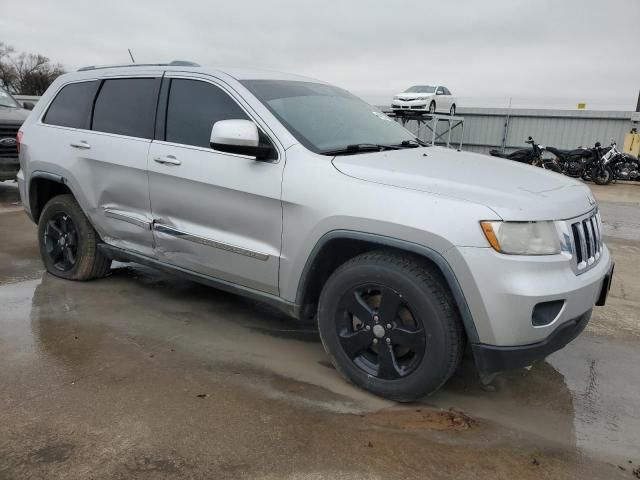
point(167, 160)
point(83, 145)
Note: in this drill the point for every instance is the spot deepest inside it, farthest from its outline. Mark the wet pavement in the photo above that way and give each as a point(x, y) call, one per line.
point(141, 375)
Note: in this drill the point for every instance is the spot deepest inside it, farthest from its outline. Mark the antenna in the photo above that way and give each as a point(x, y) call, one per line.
point(131, 55)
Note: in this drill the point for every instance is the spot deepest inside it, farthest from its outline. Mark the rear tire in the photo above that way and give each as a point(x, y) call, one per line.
point(452, 110)
point(389, 325)
point(603, 176)
point(68, 242)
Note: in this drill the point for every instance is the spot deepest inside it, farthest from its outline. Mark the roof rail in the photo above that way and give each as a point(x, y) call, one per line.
point(183, 63)
point(173, 63)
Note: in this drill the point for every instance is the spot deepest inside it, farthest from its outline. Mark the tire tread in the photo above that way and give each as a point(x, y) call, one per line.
point(428, 276)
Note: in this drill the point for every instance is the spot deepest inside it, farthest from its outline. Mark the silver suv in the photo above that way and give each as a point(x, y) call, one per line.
point(297, 193)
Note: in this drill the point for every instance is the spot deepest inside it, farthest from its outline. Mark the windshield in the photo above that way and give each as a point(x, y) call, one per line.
point(7, 100)
point(421, 89)
point(324, 118)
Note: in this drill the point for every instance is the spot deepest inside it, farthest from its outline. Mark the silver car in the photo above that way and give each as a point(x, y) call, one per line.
point(295, 192)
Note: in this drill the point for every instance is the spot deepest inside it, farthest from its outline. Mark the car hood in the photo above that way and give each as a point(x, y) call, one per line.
point(513, 190)
point(413, 96)
point(13, 115)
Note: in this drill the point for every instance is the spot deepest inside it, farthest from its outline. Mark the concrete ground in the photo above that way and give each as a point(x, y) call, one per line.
point(141, 375)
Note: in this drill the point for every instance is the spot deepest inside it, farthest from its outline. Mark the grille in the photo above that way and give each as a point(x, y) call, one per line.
point(8, 131)
point(587, 240)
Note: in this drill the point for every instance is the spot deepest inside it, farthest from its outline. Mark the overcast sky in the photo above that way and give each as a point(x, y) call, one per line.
point(481, 49)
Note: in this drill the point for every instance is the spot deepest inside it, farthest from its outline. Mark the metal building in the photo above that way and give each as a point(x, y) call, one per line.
point(487, 128)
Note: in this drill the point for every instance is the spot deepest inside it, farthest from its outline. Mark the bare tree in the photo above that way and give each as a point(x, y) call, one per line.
point(26, 73)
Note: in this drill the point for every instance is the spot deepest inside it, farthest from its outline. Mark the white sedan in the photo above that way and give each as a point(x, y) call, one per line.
point(425, 98)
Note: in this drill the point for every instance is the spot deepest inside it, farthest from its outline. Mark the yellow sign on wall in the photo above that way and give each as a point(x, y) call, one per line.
point(632, 143)
point(582, 106)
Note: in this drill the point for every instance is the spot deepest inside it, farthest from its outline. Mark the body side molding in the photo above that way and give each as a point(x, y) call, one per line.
point(158, 227)
point(123, 216)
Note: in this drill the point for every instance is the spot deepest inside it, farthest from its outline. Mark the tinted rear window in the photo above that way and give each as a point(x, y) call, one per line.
point(194, 107)
point(127, 107)
point(72, 105)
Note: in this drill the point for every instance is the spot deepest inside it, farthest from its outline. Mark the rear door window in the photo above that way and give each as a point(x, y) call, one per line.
point(72, 105)
point(127, 106)
point(194, 106)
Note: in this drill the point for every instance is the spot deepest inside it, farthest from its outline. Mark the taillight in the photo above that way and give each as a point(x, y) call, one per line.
point(19, 140)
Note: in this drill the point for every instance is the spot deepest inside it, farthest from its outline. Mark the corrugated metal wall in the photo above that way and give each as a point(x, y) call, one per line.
point(484, 128)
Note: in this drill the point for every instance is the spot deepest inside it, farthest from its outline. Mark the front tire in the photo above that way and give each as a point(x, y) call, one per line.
point(390, 326)
point(432, 108)
point(68, 242)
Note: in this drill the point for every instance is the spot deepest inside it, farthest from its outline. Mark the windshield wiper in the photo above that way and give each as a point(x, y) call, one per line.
point(414, 143)
point(361, 148)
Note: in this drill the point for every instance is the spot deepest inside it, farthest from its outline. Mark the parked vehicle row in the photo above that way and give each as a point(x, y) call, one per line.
point(597, 164)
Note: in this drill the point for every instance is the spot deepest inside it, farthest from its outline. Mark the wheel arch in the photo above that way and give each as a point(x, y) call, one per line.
point(43, 186)
point(338, 246)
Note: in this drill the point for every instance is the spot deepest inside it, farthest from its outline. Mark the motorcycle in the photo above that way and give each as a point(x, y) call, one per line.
point(624, 166)
point(585, 163)
point(531, 156)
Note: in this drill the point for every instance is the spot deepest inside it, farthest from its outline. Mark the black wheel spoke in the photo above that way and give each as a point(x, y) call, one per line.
point(73, 239)
point(53, 231)
point(387, 366)
point(69, 256)
point(357, 306)
point(354, 343)
point(55, 252)
point(389, 304)
point(407, 338)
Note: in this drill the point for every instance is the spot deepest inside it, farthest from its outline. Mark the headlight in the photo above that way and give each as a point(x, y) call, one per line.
point(421, 98)
point(523, 238)
point(396, 97)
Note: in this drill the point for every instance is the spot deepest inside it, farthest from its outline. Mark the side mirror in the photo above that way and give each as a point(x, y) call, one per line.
point(439, 92)
point(28, 105)
point(240, 137)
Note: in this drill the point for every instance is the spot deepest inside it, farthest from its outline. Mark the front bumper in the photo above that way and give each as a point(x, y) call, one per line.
point(410, 105)
point(9, 167)
point(491, 359)
point(504, 291)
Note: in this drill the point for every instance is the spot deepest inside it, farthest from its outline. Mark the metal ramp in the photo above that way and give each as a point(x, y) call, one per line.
point(430, 123)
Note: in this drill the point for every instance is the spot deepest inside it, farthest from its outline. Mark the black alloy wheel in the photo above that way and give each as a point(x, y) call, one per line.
point(379, 332)
point(61, 241)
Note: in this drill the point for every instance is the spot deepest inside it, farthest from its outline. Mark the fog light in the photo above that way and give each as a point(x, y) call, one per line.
point(546, 312)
